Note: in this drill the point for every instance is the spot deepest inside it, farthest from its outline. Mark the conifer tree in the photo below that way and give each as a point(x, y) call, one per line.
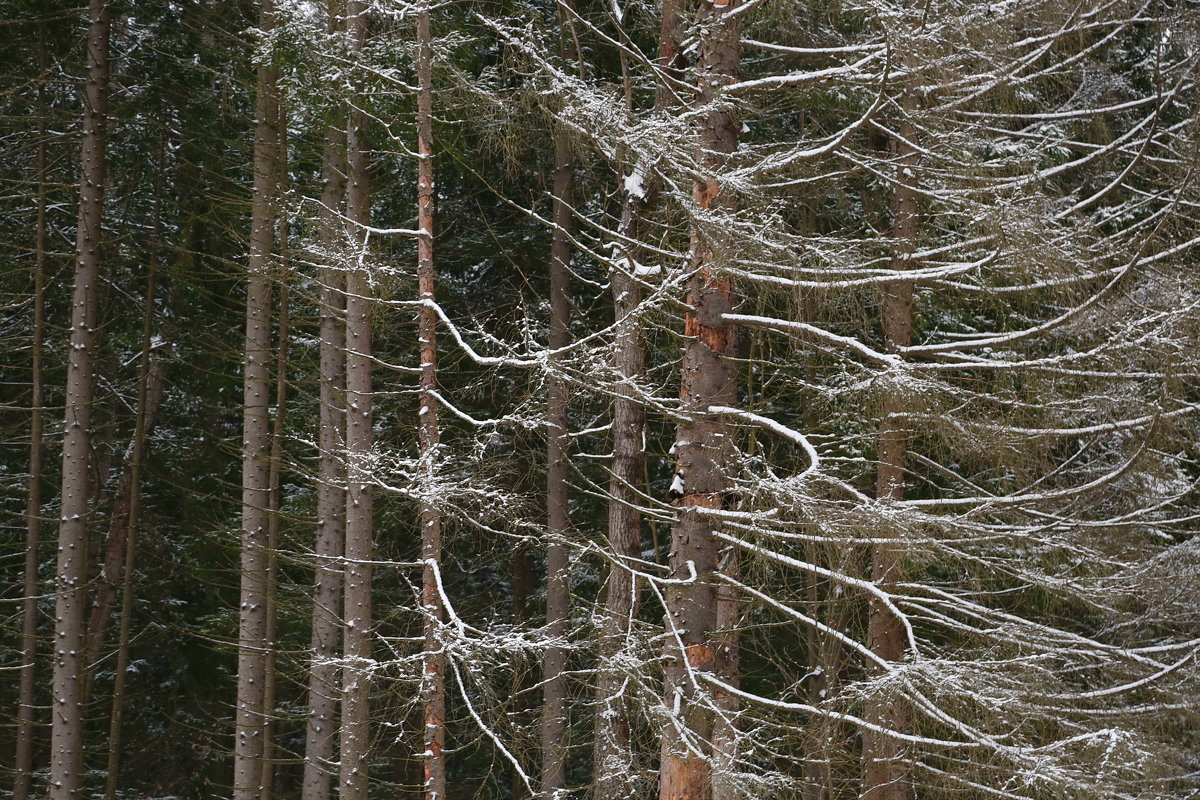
point(256, 437)
point(67, 721)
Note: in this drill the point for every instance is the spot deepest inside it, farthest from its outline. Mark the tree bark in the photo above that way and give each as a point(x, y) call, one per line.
point(26, 694)
point(356, 640)
point(612, 753)
point(66, 730)
point(703, 440)
point(433, 684)
point(672, 59)
point(150, 391)
point(523, 583)
point(728, 663)
point(256, 440)
point(270, 680)
point(884, 772)
point(558, 568)
point(323, 685)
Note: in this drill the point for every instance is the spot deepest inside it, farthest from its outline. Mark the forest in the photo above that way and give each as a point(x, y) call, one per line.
point(600, 399)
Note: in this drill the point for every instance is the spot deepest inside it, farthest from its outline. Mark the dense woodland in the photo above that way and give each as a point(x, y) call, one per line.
point(600, 399)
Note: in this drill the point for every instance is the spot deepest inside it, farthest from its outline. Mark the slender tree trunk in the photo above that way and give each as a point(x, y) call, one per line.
point(112, 577)
point(26, 694)
point(523, 581)
point(612, 753)
point(702, 445)
point(256, 440)
point(276, 471)
point(277, 429)
point(356, 642)
point(323, 685)
point(885, 773)
point(66, 730)
point(728, 663)
point(554, 662)
point(433, 688)
point(150, 391)
point(817, 773)
point(823, 652)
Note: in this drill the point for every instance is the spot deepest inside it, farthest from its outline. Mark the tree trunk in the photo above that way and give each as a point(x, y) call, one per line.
point(150, 391)
point(672, 59)
point(26, 694)
point(270, 680)
point(554, 661)
point(818, 775)
point(433, 685)
point(884, 772)
point(702, 445)
point(66, 730)
point(356, 641)
point(256, 440)
point(123, 519)
point(523, 582)
point(323, 685)
point(612, 753)
point(728, 663)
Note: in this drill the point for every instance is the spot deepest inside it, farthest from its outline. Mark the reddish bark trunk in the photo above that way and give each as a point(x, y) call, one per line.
point(434, 669)
point(703, 441)
point(885, 772)
point(270, 681)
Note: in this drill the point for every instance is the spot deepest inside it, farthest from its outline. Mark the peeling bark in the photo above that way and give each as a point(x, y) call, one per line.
point(703, 441)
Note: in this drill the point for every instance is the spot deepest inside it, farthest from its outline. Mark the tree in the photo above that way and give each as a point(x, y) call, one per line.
point(433, 667)
point(23, 756)
point(323, 686)
point(709, 375)
point(356, 635)
point(558, 520)
point(884, 773)
point(150, 387)
point(66, 731)
point(256, 438)
point(612, 753)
